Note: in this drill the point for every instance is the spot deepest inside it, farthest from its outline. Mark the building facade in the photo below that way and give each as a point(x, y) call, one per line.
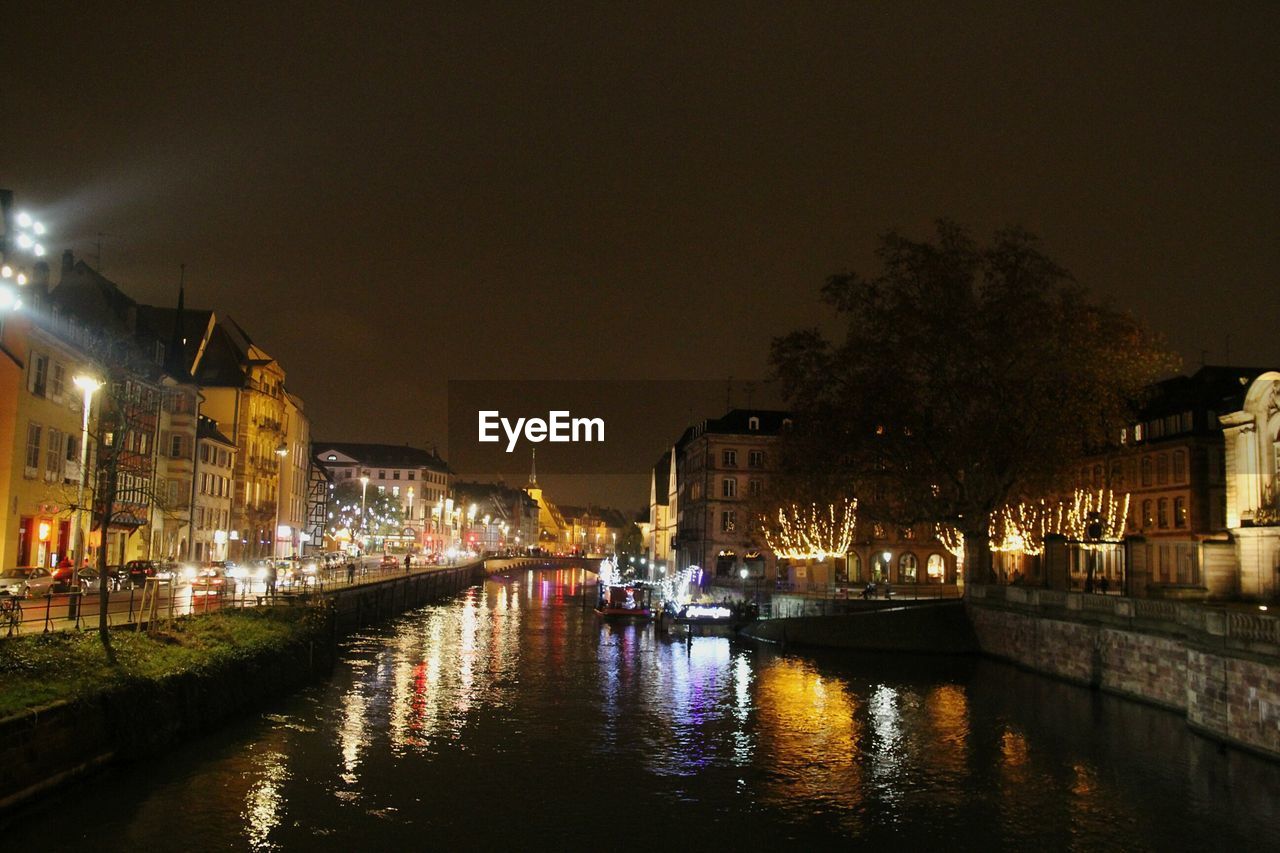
point(1252, 459)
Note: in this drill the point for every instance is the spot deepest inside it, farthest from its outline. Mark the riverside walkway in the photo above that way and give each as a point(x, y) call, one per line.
point(54, 612)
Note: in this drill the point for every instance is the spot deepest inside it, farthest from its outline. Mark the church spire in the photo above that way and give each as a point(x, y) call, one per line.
point(533, 469)
point(178, 341)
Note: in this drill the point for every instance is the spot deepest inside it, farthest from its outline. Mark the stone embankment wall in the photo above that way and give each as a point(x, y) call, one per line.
point(1220, 668)
point(44, 747)
point(933, 628)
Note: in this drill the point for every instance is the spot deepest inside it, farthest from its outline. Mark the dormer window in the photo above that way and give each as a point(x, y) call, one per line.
point(786, 423)
point(753, 423)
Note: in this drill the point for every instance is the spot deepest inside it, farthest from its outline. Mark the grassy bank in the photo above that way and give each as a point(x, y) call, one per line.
point(41, 668)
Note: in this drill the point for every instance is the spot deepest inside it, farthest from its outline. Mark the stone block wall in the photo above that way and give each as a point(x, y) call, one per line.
point(1227, 694)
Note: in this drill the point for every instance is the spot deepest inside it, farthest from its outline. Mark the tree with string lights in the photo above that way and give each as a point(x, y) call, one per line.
point(966, 375)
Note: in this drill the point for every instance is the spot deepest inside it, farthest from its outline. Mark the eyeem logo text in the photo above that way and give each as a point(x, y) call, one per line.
point(559, 427)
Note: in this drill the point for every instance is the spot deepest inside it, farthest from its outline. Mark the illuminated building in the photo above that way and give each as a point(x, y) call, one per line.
point(1252, 452)
point(417, 479)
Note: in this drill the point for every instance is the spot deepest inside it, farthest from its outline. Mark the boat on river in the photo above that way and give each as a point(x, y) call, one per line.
point(623, 601)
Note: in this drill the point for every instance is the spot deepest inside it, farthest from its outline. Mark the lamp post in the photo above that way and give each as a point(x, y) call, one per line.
point(364, 487)
point(411, 511)
point(88, 385)
point(282, 451)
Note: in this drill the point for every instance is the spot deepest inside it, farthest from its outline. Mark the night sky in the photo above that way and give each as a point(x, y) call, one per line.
point(389, 198)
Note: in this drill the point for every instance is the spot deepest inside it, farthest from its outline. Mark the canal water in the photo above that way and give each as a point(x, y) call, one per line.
point(513, 717)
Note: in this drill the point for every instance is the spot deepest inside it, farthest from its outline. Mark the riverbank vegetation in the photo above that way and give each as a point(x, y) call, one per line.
point(39, 669)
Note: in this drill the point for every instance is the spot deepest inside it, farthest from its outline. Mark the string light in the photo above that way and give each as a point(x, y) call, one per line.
point(802, 533)
point(952, 539)
point(1022, 527)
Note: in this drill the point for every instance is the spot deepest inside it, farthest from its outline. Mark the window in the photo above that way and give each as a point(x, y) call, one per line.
point(755, 459)
point(1188, 422)
point(57, 381)
point(349, 473)
point(728, 521)
point(395, 490)
point(53, 457)
point(412, 474)
point(729, 487)
point(1162, 514)
point(38, 376)
point(1138, 432)
point(1162, 469)
point(395, 475)
point(1097, 476)
point(936, 569)
point(382, 475)
point(1148, 520)
point(729, 459)
point(1179, 512)
point(1179, 466)
point(755, 488)
point(753, 423)
point(33, 449)
point(907, 566)
point(1146, 470)
point(175, 446)
point(1117, 474)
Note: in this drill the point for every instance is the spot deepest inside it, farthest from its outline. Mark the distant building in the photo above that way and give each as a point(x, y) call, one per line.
point(505, 518)
point(419, 480)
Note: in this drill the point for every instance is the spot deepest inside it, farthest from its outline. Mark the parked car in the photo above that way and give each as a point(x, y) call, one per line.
point(389, 561)
point(26, 582)
point(89, 579)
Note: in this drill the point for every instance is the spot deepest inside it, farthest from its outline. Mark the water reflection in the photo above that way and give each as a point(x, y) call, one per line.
point(509, 715)
point(810, 737)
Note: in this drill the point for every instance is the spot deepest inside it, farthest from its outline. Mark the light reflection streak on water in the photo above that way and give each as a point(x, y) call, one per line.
point(264, 802)
point(742, 741)
point(351, 734)
point(887, 746)
point(811, 737)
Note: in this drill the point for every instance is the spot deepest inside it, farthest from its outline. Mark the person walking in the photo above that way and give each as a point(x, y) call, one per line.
point(408, 561)
point(351, 572)
point(271, 579)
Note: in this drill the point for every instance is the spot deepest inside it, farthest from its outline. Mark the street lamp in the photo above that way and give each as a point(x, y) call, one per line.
point(88, 385)
point(282, 451)
point(364, 487)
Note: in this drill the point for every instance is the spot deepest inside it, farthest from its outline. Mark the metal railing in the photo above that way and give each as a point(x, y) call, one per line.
point(73, 611)
point(1233, 625)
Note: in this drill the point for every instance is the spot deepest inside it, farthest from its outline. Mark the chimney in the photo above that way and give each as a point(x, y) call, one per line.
point(40, 279)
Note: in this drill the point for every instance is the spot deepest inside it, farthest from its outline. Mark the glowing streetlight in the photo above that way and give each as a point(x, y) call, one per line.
point(282, 451)
point(364, 487)
point(88, 385)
